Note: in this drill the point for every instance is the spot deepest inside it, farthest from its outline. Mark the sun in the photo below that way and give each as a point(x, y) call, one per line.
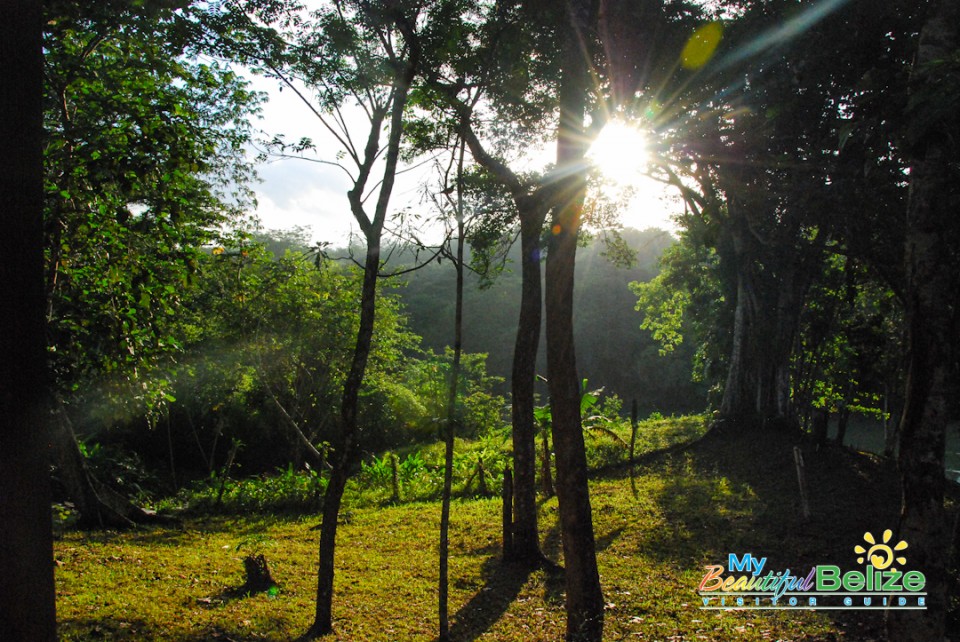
point(619, 153)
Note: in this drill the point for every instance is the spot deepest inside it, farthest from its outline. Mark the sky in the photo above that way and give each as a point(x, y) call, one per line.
point(300, 193)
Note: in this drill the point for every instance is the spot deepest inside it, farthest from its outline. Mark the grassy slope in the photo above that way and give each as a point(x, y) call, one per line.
point(655, 532)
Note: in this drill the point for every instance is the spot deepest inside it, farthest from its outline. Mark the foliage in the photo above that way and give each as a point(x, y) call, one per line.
point(850, 345)
point(286, 490)
point(144, 162)
point(123, 469)
point(266, 353)
point(428, 378)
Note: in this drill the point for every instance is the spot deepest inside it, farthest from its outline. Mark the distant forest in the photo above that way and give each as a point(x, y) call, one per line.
point(612, 351)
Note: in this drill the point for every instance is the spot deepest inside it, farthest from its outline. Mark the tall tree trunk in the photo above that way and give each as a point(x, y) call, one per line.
point(526, 538)
point(372, 230)
point(738, 393)
point(27, 605)
point(443, 588)
point(584, 599)
point(347, 442)
point(766, 317)
point(931, 295)
point(531, 211)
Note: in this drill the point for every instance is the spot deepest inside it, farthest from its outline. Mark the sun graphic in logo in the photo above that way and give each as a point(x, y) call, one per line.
point(880, 555)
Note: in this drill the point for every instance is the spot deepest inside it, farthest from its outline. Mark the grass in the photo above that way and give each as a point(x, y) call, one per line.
point(655, 530)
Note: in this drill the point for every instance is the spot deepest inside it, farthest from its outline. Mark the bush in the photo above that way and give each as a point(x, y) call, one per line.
point(288, 490)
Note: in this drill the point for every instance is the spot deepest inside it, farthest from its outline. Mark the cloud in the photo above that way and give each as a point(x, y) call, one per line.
point(286, 182)
point(303, 199)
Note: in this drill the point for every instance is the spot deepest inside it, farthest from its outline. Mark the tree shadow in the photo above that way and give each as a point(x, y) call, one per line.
point(552, 547)
point(174, 535)
point(738, 492)
point(502, 584)
point(105, 628)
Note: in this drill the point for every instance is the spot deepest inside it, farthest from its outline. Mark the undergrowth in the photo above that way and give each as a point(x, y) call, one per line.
point(415, 474)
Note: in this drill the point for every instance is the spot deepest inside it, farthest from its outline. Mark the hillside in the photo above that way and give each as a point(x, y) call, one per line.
point(612, 350)
point(681, 509)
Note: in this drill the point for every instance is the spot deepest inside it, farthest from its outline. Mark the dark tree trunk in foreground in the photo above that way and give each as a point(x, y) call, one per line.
point(27, 608)
point(584, 599)
point(526, 538)
point(931, 324)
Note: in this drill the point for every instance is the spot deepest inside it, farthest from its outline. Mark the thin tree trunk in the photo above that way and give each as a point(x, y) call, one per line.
point(531, 210)
point(27, 602)
point(372, 230)
point(931, 288)
point(584, 599)
point(332, 499)
point(443, 588)
point(843, 419)
point(507, 514)
point(546, 466)
point(526, 538)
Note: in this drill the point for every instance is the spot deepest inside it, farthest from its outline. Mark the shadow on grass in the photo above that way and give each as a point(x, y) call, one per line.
point(161, 535)
point(502, 584)
point(741, 492)
point(738, 492)
point(104, 628)
point(554, 584)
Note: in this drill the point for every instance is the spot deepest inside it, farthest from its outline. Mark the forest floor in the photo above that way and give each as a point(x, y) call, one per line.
point(657, 526)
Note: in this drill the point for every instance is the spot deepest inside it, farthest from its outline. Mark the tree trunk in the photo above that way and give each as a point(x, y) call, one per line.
point(99, 505)
point(372, 230)
point(931, 293)
point(842, 420)
point(772, 279)
point(27, 602)
point(343, 458)
point(584, 599)
point(443, 588)
point(738, 393)
point(821, 425)
point(526, 538)
point(507, 514)
point(546, 466)
point(531, 211)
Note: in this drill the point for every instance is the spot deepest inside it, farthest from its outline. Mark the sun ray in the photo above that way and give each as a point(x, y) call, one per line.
point(619, 152)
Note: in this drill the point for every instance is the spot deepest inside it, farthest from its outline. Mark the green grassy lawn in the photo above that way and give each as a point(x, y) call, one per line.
point(656, 529)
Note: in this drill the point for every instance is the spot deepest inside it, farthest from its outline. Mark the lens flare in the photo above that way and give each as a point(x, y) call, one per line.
point(701, 46)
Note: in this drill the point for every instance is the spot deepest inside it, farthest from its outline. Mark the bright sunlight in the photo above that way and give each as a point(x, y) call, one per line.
point(619, 152)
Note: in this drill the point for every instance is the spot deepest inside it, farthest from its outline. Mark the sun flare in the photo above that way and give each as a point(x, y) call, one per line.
point(619, 152)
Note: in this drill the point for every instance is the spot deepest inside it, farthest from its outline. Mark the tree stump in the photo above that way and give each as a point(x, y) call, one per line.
point(259, 579)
